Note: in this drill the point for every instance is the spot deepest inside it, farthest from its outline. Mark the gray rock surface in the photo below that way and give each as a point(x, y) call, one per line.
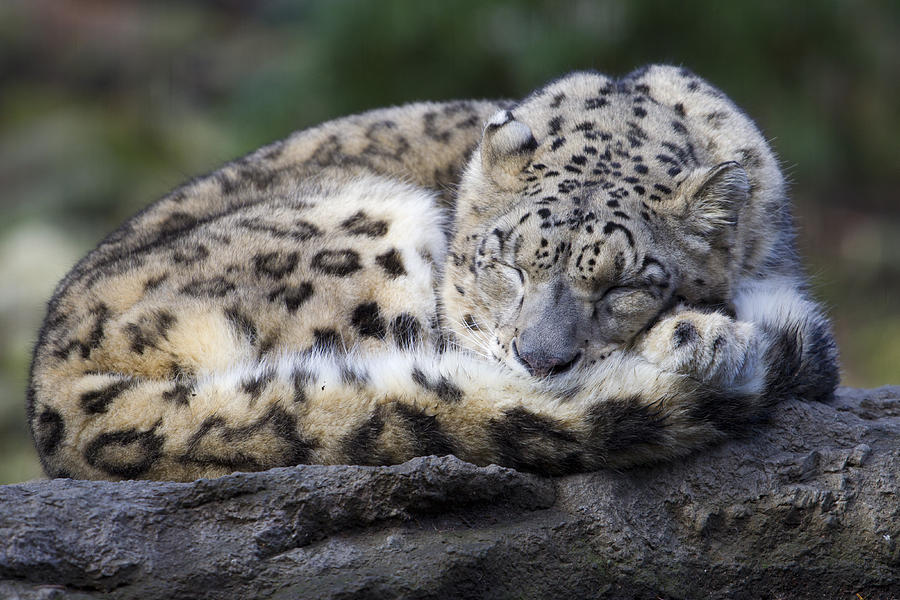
point(807, 506)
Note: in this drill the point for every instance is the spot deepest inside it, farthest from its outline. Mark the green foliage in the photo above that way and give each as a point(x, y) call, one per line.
point(106, 106)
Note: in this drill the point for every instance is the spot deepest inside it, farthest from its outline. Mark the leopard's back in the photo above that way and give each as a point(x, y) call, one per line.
point(312, 245)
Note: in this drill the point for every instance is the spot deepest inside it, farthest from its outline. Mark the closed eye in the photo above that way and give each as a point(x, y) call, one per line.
point(631, 301)
point(518, 271)
point(616, 291)
point(627, 287)
point(627, 297)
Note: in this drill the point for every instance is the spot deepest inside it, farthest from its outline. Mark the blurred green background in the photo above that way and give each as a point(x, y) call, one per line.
point(106, 105)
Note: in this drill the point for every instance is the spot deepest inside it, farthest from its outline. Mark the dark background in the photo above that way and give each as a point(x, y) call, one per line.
point(104, 106)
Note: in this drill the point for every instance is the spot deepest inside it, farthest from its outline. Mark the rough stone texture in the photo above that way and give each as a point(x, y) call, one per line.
point(806, 507)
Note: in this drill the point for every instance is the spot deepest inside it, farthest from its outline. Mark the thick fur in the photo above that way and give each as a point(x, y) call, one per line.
point(602, 274)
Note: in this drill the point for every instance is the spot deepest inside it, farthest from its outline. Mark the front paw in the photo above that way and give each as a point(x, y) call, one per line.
point(709, 347)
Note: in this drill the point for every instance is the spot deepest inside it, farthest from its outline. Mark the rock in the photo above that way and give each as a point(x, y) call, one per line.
point(807, 506)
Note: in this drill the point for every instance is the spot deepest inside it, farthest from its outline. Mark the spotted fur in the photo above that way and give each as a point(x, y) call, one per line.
point(602, 274)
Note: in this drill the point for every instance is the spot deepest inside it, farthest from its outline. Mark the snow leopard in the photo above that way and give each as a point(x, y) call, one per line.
point(600, 275)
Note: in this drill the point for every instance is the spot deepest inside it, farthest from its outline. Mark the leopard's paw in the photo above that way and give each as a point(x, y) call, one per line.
point(710, 347)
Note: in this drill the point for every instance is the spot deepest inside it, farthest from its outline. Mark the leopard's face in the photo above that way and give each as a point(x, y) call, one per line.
point(553, 289)
point(572, 240)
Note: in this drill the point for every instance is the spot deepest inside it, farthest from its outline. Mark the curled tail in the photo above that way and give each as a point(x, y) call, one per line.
point(387, 408)
point(333, 409)
point(803, 356)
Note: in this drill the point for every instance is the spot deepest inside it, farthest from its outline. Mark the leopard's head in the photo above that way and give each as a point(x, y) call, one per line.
point(579, 223)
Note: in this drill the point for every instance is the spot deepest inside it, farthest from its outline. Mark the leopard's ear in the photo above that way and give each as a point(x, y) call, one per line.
point(711, 199)
point(507, 147)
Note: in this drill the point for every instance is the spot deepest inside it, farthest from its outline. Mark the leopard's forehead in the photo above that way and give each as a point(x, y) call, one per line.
point(609, 155)
point(591, 247)
point(606, 140)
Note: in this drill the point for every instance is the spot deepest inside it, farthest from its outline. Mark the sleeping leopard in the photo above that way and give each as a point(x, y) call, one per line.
point(600, 275)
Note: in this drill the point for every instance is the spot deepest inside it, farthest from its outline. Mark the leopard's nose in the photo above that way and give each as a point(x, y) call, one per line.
point(542, 363)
